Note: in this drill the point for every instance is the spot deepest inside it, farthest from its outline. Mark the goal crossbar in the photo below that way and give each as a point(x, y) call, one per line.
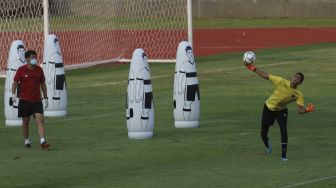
point(95, 32)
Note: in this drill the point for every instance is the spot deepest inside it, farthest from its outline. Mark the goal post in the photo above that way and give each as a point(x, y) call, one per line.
point(45, 19)
point(97, 31)
point(189, 17)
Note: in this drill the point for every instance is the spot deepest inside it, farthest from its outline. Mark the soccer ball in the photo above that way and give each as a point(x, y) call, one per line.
point(249, 57)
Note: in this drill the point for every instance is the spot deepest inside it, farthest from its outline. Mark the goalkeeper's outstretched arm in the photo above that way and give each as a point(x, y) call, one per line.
point(309, 108)
point(258, 71)
point(301, 109)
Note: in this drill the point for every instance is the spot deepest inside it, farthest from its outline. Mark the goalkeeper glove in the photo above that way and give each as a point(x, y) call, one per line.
point(13, 98)
point(250, 67)
point(310, 108)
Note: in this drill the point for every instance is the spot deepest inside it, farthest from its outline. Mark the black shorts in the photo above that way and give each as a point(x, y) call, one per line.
point(192, 90)
point(269, 116)
point(27, 108)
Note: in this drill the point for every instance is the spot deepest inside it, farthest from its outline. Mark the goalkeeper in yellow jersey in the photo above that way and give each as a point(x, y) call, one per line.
point(275, 107)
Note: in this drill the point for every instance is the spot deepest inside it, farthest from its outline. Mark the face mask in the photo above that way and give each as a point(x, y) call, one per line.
point(33, 61)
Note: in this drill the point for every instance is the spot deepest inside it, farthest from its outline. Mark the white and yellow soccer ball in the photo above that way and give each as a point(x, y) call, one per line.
point(249, 57)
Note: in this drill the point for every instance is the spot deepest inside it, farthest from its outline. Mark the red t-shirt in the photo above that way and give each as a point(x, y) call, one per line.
point(30, 82)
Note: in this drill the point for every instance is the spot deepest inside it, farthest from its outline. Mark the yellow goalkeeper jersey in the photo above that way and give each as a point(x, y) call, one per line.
point(283, 94)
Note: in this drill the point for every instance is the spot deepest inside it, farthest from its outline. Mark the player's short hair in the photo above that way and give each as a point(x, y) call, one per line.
point(302, 76)
point(30, 53)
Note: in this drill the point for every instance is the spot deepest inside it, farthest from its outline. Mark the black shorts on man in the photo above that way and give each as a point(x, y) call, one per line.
point(269, 117)
point(27, 108)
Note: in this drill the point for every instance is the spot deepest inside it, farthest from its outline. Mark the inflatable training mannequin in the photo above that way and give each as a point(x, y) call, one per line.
point(186, 89)
point(55, 78)
point(16, 59)
point(139, 98)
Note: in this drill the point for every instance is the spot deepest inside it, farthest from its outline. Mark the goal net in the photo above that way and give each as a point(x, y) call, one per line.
point(20, 20)
point(96, 31)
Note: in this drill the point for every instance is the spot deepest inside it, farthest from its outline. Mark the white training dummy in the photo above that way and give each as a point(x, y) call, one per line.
point(15, 60)
point(186, 88)
point(55, 78)
point(139, 98)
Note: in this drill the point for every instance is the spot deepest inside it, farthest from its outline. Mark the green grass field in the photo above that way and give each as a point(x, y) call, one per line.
point(262, 22)
point(90, 147)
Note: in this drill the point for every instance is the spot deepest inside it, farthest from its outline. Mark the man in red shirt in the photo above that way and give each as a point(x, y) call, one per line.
point(29, 79)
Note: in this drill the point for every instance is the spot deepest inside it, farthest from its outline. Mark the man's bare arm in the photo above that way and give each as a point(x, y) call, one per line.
point(44, 90)
point(258, 71)
point(14, 87)
point(262, 74)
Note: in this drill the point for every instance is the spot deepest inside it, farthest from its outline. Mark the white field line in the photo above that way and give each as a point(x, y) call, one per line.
point(89, 117)
point(242, 66)
point(309, 181)
point(212, 71)
point(208, 72)
point(103, 84)
point(116, 82)
point(242, 134)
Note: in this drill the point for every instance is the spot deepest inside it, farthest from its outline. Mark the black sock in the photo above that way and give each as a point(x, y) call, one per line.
point(266, 142)
point(283, 149)
point(264, 133)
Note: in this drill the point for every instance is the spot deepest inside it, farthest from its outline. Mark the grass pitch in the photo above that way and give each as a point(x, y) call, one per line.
point(262, 22)
point(90, 147)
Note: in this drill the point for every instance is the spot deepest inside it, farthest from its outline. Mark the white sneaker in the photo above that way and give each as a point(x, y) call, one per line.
point(269, 149)
point(284, 158)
